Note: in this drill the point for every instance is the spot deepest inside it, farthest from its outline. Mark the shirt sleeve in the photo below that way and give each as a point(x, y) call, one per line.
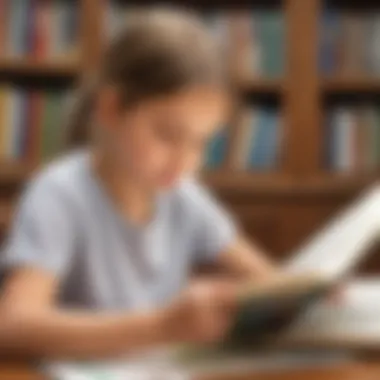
point(42, 235)
point(214, 229)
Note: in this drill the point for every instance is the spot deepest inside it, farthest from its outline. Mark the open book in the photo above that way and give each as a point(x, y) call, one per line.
point(268, 309)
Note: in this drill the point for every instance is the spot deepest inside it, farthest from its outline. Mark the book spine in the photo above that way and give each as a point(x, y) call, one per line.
point(258, 142)
point(329, 33)
point(41, 30)
point(217, 150)
point(29, 32)
point(3, 124)
point(247, 125)
point(271, 31)
point(4, 22)
point(16, 119)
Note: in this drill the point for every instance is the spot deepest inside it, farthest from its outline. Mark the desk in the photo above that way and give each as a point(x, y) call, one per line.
point(352, 371)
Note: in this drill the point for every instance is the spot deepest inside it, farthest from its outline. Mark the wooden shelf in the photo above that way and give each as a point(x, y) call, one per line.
point(260, 85)
point(25, 67)
point(273, 184)
point(351, 84)
point(13, 172)
point(6, 212)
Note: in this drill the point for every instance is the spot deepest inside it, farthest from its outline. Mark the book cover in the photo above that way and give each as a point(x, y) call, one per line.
point(3, 121)
point(4, 26)
point(344, 125)
point(17, 117)
point(14, 44)
point(263, 154)
point(51, 134)
point(42, 29)
point(271, 31)
point(216, 151)
point(329, 33)
point(353, 43)
point(373, 44)
point(247, 133)
point(35, 109)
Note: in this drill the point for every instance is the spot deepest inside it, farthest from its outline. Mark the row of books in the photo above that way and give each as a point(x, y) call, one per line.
point(253, 40)
point(259, 142)
point(353, 138)
point(30, 123)
point(350, 43)
point(38, 29)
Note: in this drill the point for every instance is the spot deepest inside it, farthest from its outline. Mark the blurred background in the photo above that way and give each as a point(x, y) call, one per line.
point(304, 139)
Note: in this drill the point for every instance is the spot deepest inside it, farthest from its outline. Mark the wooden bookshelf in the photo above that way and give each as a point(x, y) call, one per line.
point(300, 194)
point(352, 84)
point(15, 67)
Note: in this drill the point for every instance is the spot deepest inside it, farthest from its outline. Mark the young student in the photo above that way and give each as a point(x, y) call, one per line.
point(104, 240)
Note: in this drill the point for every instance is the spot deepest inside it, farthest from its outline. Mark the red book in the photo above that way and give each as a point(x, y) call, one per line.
point(41, 29)
point(35, 108)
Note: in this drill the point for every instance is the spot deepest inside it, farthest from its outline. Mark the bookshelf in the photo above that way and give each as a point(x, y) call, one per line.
point(298, 193)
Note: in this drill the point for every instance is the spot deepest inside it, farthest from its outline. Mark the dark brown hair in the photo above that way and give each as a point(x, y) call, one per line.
point(158, 52)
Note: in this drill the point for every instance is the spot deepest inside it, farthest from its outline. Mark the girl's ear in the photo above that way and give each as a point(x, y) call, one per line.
point(107, 108)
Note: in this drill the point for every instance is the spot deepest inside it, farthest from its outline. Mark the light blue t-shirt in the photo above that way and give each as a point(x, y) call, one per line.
point(68, 226)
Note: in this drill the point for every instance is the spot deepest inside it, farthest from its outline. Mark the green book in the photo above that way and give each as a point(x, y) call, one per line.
point(51, 125)
point(271, 32)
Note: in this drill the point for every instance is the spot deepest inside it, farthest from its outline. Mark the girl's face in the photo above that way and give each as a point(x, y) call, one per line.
point(163, 139)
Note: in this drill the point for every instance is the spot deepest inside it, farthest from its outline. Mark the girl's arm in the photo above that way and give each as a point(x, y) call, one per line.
point(31, 324)
point(245, 260)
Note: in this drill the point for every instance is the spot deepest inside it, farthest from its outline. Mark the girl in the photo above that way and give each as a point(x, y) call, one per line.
point(104, 239)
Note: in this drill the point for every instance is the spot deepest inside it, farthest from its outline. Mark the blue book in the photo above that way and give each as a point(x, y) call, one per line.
point(216, 150)
point(263, 153)
point(329, 38)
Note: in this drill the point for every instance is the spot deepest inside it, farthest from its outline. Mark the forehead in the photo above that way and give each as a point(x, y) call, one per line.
point(194, 101)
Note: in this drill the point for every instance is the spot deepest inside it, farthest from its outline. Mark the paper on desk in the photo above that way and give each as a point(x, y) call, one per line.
point(165, 367)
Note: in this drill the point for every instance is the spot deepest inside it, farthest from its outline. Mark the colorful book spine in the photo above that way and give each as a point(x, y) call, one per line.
point(38, 28)
point(265, 143)
point(353, 138)
point(328, 41)
point(217, 149)
point(271, 31)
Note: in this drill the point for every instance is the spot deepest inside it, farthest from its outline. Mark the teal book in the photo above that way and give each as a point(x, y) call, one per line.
point(271, 32)
point(216, 150)
point(264, 149)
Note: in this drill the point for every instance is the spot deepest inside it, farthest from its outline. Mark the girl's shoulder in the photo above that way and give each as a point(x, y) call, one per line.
point(63, 175)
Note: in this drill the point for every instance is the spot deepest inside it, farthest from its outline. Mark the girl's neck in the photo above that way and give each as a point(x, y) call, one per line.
point(135, 201)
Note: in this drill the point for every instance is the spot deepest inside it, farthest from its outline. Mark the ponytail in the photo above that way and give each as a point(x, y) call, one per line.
point(78, 124)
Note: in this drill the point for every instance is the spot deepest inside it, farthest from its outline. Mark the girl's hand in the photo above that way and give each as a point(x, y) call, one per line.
point(203, 313)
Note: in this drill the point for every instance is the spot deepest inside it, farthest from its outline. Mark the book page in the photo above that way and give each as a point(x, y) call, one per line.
point(337, 248)
point(352, 320)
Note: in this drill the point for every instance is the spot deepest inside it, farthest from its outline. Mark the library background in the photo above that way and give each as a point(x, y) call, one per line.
point(304, 139)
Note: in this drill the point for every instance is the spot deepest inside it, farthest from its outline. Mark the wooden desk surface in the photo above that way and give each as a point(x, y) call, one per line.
point(352, 371)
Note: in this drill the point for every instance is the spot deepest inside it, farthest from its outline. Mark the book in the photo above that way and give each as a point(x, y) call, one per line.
point(269, 307)
point(265, 140)
point(352, 321)
point(217, 149)
point(38, 29)
point(271, 31)
point(351, 138)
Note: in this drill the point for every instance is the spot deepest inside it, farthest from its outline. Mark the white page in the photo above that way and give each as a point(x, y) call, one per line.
point(335, 249)
point(354, 318)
